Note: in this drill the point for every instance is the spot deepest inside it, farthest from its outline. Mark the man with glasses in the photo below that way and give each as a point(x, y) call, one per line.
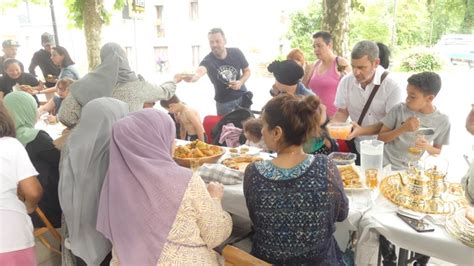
point(228, 71)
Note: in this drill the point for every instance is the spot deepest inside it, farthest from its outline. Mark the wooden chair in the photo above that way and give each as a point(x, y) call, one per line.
point(39, 232)
point(235, 256)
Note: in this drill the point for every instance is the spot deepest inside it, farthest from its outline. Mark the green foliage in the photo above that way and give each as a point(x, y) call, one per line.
point(76, 9)
point(421, 61)
point(412, 23)
point(370, 23)
point(303, 25)
point(7, 4)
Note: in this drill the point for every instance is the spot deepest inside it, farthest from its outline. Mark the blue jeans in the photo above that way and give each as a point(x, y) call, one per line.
point(227, 107)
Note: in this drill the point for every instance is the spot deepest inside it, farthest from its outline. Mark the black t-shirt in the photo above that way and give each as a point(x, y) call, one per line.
point(222, 71)
point(7, 83)
point(42, 58)
point(2, 70)
point(45, 159)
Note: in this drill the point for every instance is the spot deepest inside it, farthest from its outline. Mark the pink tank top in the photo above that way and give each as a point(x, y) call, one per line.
point(325, 86)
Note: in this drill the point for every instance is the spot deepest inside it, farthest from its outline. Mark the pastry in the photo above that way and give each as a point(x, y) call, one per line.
point(470, 215)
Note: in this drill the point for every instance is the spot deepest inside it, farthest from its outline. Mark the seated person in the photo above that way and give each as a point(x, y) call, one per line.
point(468, 180)
point(53, 105)
point(42, 153)
point(403, 120)
point(288, 74)
point(153, 210)
point(253, 133)
point(20, 192)
point(191, 127)
point(295, 199)
point(15, 79)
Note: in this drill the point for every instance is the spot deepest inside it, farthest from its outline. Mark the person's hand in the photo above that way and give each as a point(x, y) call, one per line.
point(411, 124)
point(421, 142)
point(178, 78)
point(355, 131)
point(470, 121)
point(235, 85)
point(40, 86)
point(52, 119)
point(28, 89)
point(216, 190)
point(188, 77)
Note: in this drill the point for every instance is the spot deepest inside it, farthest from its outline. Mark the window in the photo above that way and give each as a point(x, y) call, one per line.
point(193, 10)
point(160, 30)
point(161, 58)
point(195, 55)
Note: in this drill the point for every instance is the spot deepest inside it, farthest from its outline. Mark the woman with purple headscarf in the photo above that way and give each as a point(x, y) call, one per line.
point(151, 209)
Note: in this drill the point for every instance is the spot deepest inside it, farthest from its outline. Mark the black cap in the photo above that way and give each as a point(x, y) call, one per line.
point(10, 43)
point(286, 72)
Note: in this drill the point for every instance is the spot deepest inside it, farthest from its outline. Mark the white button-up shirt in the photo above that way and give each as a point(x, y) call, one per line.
point(351, 96)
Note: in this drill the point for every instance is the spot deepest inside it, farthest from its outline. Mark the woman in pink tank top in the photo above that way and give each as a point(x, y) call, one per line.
point(324, 76)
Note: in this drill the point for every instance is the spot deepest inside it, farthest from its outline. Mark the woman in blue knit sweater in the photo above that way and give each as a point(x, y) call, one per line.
point(295, 199)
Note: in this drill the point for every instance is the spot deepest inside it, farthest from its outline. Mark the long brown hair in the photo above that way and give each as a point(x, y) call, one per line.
point(7, 126)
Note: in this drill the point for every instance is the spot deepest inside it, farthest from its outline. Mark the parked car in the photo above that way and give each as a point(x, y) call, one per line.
point(457, 48)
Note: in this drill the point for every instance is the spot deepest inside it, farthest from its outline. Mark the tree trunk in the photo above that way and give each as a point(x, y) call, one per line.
point(336, 22)
point(92, 30)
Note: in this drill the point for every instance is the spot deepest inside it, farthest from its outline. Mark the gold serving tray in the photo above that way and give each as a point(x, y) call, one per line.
point(392, 188)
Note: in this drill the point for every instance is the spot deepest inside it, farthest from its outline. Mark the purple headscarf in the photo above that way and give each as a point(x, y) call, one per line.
point(143, 189)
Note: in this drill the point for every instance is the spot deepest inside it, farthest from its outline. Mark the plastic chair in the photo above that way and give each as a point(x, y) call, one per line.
point(209, 123)
point(39, 232)
point(236, 256)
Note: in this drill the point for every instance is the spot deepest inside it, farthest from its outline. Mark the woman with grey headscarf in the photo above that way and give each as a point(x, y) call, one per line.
point(84, 163)
point(113, 78)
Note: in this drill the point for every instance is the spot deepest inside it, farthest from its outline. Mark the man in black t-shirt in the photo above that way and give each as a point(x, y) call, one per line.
point(9, 51)
point(228, 71)
point(42, 58)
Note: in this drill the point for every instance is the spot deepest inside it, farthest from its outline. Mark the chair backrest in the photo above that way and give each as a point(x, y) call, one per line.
point(236, 256)
point(39, 232)
point(209, 123)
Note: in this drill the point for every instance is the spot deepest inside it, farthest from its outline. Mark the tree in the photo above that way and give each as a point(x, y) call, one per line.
point(302, 27)
point(91, 15)
point(336, 21)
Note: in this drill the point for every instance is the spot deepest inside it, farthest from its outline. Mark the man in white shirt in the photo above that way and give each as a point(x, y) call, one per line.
point(354, 90)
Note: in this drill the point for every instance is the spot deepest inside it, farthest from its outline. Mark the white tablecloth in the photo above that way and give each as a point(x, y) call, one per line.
point(382, 219)
point(53, 130)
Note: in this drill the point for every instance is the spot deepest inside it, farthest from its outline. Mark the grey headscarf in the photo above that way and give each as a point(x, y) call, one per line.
point(112, 71)
point(84, 163)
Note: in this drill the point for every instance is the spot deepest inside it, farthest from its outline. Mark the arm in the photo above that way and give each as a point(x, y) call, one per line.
point(235, 85)
point(1, 95)
point(340, 198)
point(341, 115)
point(410, 125)
point(33, 65)
point(200, 71)
point(30, 191)
point(48, 107)
point(308, 72)
point(215, 225)
point(364, 131)
point(198, 127)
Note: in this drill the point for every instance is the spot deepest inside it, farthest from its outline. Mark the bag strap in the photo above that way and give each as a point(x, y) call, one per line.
point(371, 97)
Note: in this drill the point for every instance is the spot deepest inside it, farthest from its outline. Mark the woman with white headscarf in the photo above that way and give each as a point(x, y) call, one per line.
point(113, 78)
point(84, 163)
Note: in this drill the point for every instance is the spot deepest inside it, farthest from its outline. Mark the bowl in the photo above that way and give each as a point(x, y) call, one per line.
point(187, 162)
point(343, 158)
point(339, 130)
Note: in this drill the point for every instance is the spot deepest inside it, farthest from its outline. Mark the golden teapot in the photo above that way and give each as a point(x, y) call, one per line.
point(416, 184)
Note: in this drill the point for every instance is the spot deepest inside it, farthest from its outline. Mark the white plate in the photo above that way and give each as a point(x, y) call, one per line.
point(252, 151)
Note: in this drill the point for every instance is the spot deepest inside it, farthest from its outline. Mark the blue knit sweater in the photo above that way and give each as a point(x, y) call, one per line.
point(294, 216)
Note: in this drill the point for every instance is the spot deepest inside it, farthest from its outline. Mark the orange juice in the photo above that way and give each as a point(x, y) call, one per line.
point(371, 178)
point(415, 150)
point(339, 130)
